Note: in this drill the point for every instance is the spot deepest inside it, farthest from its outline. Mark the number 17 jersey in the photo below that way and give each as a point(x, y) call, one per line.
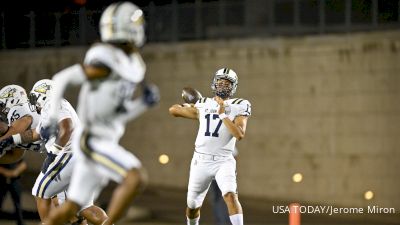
point(213, 136)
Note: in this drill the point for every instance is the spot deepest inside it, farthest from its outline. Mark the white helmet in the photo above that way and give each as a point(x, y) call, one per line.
point(40, 93)
point(12, 95)
point(227, 74)
point(122, 22)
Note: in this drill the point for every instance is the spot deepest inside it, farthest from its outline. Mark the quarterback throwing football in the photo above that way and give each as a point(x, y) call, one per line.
point(222, 121)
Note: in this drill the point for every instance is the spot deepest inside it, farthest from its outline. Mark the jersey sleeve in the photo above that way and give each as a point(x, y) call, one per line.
point(113, 58)
point(18, 112)
point(200, 102)
point(99, 55)
point(64, 112)
point(243, 107)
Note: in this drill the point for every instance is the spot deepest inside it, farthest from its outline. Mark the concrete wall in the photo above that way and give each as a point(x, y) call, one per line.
point(326, 106)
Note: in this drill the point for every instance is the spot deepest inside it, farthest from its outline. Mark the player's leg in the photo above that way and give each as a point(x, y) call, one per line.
point(15, 191)
point(43, 207)
point(123, 195)
point(85, 185)
point(220, 211)
point(122, 167)
point(53, 179)
point(94, 214)
point(200, 178)
point(226, 180)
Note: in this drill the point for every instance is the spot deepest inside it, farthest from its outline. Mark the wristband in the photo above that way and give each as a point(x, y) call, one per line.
point(17, 139)
point(223, 116)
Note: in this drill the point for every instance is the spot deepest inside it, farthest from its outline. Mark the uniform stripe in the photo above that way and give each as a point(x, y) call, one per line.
point(56, 174)
point(102, 159)
point(47, 173)
point(52, 174)
point(236, 100)
point(241, 100)
point(113, 15)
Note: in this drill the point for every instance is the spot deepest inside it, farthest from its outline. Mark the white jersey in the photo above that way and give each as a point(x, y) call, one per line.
point(213, 136)
point(65, 111)
point(101, 101)
point(25, 109)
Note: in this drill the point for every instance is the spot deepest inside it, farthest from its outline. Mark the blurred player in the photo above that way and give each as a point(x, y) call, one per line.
point(111, 72)
point(19, 115)
point(222, 122)
point(57, 168)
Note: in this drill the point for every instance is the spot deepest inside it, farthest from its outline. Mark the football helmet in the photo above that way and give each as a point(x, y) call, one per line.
point(224, 91)
point(12, 95)
point(40, 93)
point(122, 22)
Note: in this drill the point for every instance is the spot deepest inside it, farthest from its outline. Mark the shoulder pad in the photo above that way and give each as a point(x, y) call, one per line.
point(238, 101)
point(243, 106)
point(202, 100)
point(99, 54)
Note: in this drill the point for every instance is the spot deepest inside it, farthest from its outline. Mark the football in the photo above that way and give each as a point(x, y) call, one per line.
point(190, 95)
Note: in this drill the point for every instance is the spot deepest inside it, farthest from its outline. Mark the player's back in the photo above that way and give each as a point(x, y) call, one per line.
point(101, 101)
point(213, 136)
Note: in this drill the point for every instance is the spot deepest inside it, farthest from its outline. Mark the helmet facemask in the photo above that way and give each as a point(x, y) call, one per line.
point(223, 88)
point(40, 93)
point(224, 83)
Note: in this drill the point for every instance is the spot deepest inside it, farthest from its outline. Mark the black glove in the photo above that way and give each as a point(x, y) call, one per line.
point(151, 94)
point(48, 131)
point(4, 144)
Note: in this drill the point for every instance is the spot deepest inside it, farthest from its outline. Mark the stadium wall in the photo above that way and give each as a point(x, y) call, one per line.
point(324, 106)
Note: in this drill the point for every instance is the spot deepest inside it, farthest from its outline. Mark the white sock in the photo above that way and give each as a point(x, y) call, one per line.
point(194, 221)
point(236, 219)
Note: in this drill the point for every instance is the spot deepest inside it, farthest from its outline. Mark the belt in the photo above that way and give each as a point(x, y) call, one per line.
point(203, 156)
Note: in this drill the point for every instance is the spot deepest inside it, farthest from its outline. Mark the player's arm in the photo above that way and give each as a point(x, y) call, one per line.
point(73, 75)
point(18, 126)
point(237, 127)
point(25, 137)
point(9, 156)
point(65, 131)
point(185, 111)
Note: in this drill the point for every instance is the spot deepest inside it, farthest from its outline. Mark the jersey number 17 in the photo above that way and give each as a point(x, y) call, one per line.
point(214, 117)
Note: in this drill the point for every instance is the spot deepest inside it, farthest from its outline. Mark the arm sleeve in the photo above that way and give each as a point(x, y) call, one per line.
point(71, 75)
point(134, 109)
point(131, 67)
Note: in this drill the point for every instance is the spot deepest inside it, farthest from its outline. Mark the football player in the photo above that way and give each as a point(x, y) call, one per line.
point(223, 121)
point(19, 115)
point(110, 73)
point(57, 168)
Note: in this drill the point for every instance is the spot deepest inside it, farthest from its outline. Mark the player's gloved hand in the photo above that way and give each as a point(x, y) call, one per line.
point(49, 130)
point(151, 94)
point(5, 144)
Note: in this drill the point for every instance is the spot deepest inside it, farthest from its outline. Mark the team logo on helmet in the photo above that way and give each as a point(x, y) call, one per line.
point(9, 93)
point(43, 88)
